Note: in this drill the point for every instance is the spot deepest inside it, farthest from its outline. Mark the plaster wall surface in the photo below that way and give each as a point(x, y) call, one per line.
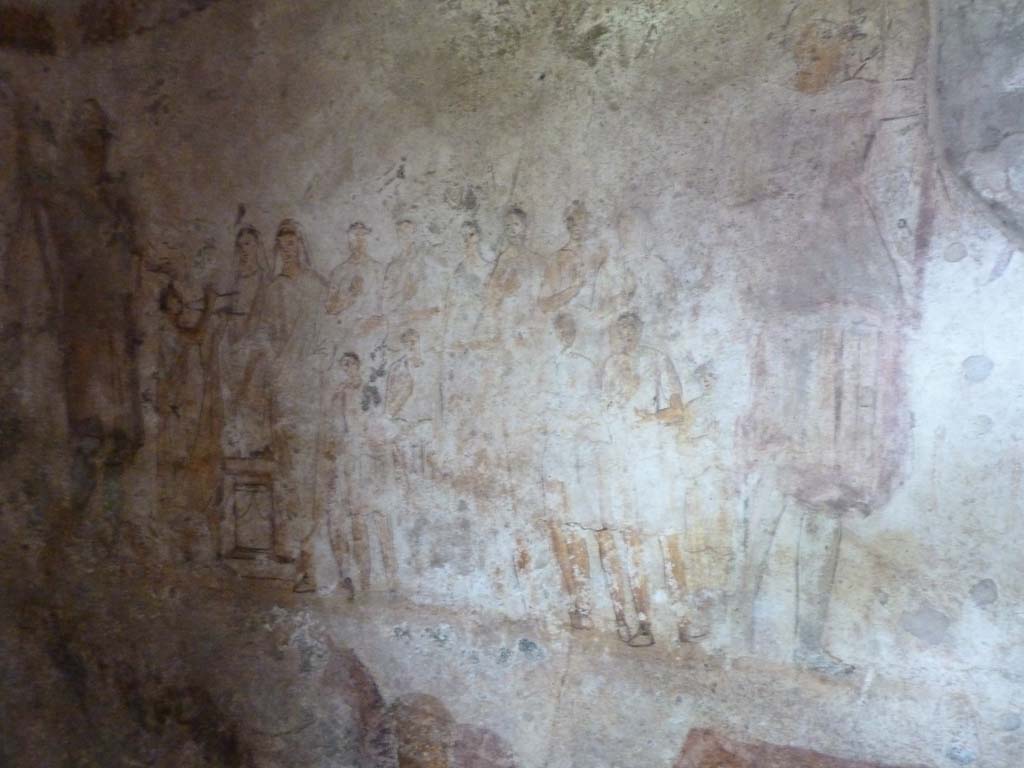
point(489, 383)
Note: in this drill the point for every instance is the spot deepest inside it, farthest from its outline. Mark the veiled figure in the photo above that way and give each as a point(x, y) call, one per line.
point(289, 325)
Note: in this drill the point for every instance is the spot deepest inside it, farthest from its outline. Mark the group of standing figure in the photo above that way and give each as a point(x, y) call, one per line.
point(333, 399)
point(332, 409)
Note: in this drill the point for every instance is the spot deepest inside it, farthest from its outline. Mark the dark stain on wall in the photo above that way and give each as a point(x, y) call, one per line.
point(27, 29)
point(106, 21)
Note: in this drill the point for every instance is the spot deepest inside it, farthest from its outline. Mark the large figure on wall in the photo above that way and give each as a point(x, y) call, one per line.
point(573, 437)
point(831, 412)
point(463, 311)
point(358, 479)
point(827, 432)
point(244, 388)
point(353, 304)
point(643, 402)
point(504, 338)
point(567, 275)
point(78, 218)
point(511, 287)
point(290, 326)
point(633, 275)
point(410, 289)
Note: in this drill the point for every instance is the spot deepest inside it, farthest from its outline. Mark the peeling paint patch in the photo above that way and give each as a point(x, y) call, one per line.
point(926, 623)
point(977, 368)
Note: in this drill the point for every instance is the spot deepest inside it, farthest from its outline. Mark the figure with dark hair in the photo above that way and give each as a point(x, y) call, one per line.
point(413, 315)
point(404, 290)
point(187, 408)
point(359, 467)
point(410, 401)
point(290, 336)
point(243, 384)
point(511, 287)
point(463, 309)
point(251, 271)
point(570, 269)
point(183, 365)
point(354, 314)
point(85, 227)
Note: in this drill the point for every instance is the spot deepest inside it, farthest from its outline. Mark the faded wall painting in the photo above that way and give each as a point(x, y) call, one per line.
point(484, 383)
point(341, 423)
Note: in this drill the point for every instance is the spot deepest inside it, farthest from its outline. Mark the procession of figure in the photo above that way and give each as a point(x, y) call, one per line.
point(301, 409)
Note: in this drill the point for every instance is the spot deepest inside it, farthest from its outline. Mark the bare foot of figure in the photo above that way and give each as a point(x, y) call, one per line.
point(580, 619)
point(305, 584)
point(643, 636)
point(691, 632)
point(823, 662)
point(624, 632)
point(347, 589)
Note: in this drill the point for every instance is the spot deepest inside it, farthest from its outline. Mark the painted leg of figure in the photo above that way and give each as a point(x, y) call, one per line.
point(361, 548)
point(307, 520)
point(817, 558)
point(638, 586)
point(283, 514)
point(570, 553)
point(616, 579)
point(386, 542)
point(286, 497)
point(675, 576)
point(579, 561)
point(339, 547)
point(560, 547)
point(383, 465)
point(766, 509)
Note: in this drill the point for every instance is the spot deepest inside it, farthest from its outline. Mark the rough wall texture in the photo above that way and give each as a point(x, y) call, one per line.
point(486, 383)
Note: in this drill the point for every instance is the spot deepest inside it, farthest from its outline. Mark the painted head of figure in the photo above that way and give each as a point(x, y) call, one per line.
point(515, 225)
point(409, 341)
point(92, 137)
point(171, 301)
point(248, 251)
point(706, 376)
point(565, 329)
point(290, 248)
point(203, 259)
point(576, 220)
point(409, 338)
point(351, 370)
point(357, 234)
point(470, 234)
point(406, 229)
point(633, 230)
point(626, 333)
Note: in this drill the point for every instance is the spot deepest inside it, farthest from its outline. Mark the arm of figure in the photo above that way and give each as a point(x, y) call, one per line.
point(338, 300)
point(560, 299)
point(411, 284)
point(675, 412)
point(669, 385)
point(398, 390)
